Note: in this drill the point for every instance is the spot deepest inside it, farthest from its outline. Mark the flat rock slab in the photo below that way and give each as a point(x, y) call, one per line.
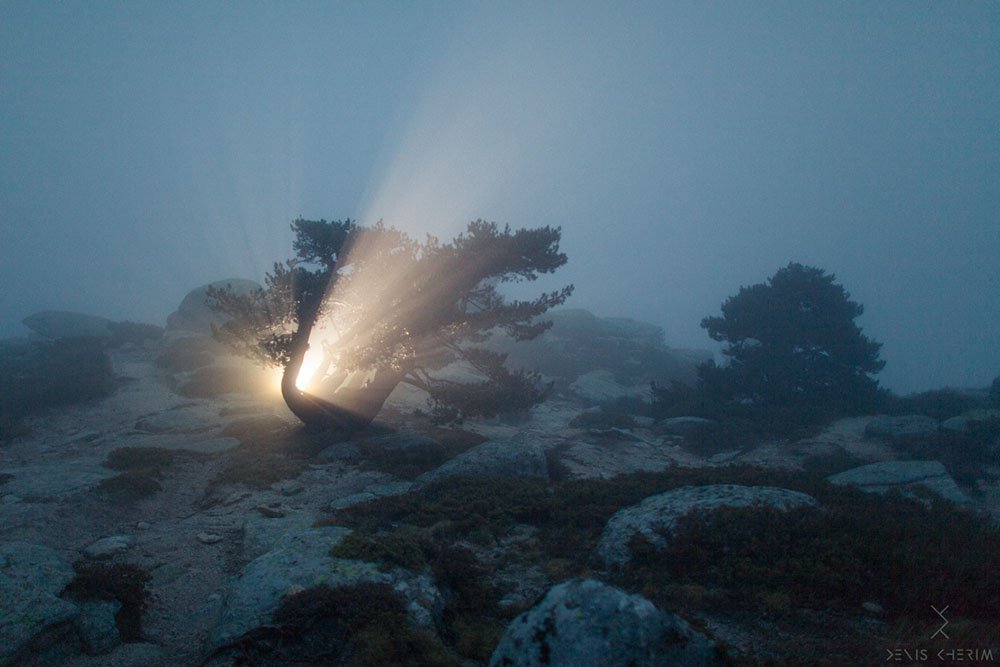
point(55, 479)
point(31, 578)
point(903, 475)
point(655, 516)
point(587, 623)
point(181, 420)
point(902, 426)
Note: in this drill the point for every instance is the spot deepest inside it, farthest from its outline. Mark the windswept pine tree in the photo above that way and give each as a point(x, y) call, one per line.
point(360, 310)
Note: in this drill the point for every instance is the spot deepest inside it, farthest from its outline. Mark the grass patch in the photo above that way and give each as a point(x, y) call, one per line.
point(120, 581)
point(365, 624)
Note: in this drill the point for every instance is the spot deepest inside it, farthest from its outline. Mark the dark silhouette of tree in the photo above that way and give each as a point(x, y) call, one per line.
point(792, 345)
point(385, 309)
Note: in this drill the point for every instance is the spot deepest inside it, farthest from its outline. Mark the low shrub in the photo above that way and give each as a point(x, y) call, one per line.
point(364, 624)
point(37, 376)
point(123, 582)
point(132, 484)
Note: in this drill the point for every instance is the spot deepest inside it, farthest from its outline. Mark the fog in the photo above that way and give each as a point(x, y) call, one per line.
point(686, 149)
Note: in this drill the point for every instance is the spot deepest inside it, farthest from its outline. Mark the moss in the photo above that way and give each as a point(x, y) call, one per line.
point(400, 548)
point(364, 624)
point(123, 582)
point(135, 458)
point(132, 484)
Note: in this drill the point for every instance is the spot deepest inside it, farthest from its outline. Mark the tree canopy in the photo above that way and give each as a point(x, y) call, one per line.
point(792, 343)
point(380, 308)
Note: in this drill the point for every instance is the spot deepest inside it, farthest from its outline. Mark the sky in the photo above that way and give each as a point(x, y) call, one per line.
point(685, 148)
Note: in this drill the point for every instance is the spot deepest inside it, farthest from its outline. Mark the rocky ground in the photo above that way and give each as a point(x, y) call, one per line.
point(230, 525)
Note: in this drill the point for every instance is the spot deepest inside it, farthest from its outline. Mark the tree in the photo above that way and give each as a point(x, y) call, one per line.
point(361, 309)
point(792, 344)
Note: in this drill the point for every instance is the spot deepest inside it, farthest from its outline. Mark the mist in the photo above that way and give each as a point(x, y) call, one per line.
point(684, 149)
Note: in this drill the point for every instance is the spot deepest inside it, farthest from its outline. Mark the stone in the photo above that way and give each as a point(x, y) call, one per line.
point(96, 625)
point(600, 385)
point(655, 516)
point(957, 424)
point(587, 623)
point(903, 426)
point(32, 614)
point(193, 313)
point(107, 547)
point(872, 608)
point(300, 561)
point(682, 425)
point(506, 458)
point(903, 475)
point(65, 324)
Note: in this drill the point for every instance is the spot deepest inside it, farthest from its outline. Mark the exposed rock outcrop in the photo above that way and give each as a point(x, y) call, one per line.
point(193, 313)
point(903, 475)
point(654, 517)
point(584, 623)
point(507, 458)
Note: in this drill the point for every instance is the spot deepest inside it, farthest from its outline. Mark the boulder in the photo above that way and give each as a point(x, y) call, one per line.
point(902, 475)
point(655, 516)
point(106, 547)
point(600, 385)
point(506, 458)
point(32, 615)
point(902, 426)
point(65, 324)
point(584, 623)
point(193, 313)
point(302, 560)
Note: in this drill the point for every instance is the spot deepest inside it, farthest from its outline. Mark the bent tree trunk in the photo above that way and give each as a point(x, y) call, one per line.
point(351, 406)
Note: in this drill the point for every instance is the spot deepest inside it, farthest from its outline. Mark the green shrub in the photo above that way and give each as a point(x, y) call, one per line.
point(854, 548)
point(963, 453)
point(365, 624)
